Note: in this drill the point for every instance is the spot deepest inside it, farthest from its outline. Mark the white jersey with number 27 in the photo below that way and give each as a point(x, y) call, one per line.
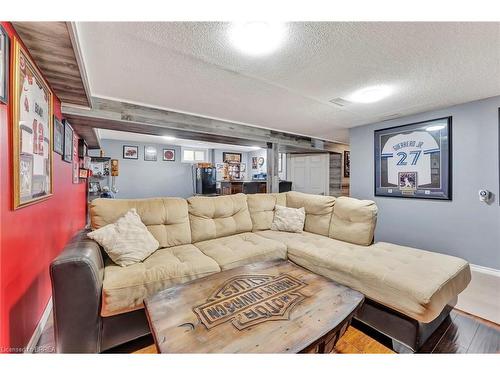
point(410, 153)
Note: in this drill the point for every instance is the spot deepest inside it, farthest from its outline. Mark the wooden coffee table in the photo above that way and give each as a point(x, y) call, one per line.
point(269, 307)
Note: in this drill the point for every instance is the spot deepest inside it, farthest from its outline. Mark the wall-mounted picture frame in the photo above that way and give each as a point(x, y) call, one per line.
point(4, 65)
point(168, 154)
point(82, 148)
point(32, 128)
point(231, 157)
point(347, 164)
point(76, 160)
point(150, 153)
point(58, 136)
point(83, 173)
point(415, 160)
point(68, 142)
point(254, 162)
point(130, 152)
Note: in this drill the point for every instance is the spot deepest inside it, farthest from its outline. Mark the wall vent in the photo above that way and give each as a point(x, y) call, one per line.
point(340, 102)
point(390, 117)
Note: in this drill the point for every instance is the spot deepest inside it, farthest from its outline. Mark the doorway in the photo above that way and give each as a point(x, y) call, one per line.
point(309, 173)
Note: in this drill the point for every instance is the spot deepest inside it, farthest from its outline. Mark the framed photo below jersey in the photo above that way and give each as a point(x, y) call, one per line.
point(414, 160)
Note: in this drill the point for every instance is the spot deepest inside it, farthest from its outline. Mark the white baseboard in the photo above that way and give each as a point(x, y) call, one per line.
point(30, 348)
point(482, 296)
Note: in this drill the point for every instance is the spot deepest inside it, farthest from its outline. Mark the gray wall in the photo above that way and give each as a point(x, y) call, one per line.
point(145, 179)
point(464, 227)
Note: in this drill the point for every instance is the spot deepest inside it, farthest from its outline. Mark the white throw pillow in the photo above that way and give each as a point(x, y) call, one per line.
point(288, 219)
point(127, 241)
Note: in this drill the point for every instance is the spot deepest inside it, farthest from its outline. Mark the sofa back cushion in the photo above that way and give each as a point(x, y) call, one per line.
point(318, 209)
point(166, 218)
point(214, 217)
point(354, 220)
point(261, 207)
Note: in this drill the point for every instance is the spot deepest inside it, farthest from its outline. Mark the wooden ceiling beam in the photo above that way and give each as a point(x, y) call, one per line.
point(123, 116)
point(55, 48)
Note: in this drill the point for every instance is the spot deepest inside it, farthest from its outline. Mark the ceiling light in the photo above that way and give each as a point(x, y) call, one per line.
point(434, 128)
point(370, 94)
point(254, 148)
point(257, 38)
point(168, 138)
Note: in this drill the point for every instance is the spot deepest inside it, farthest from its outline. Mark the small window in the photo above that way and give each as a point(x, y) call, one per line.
point(190, 155)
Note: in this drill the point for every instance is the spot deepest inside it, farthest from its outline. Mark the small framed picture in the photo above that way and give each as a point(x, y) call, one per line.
point(82, 148)
point(347, 164)
point(58, 136)
point(150, 153)
point(68, 142)
point(131, 152)
point(168, 154)
point(231, 157)
point(84, 173)
point(4, 65)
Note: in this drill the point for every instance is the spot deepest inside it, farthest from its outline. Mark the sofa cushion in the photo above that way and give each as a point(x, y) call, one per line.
point(414, 282)
point(353, 220)
point(240, 249)
point(213, 217)
point(127, 241)
point(166, 218)
point(124, 289)
point(261, 207)
point(318, 208)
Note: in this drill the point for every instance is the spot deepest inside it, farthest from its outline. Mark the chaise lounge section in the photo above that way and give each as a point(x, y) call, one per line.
point(98, 304)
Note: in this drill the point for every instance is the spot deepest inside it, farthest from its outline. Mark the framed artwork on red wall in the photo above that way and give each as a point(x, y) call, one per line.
point(76, 161)
point(4, 65)
point(32, 131)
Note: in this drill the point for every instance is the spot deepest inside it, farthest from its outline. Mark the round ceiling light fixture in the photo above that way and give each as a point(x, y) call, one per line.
point(257, 37)
point(370, 94)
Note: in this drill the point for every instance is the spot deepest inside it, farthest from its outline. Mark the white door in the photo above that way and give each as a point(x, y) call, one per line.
point(310, 173)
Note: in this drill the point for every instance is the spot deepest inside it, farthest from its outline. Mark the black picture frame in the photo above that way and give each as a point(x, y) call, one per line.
point(129, 155)
point(424, 172)
point(168, 150)
point(149, 155)
point(347, 164)
point(231, 157)
point(82, 148)
point(58, 130)
point(4, 67)
point(68, 142)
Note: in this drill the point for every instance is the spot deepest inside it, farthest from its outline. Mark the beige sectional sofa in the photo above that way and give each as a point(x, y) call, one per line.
point(408, 291)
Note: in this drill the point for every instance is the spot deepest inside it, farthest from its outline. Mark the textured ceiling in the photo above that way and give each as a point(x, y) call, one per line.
point(191, 67)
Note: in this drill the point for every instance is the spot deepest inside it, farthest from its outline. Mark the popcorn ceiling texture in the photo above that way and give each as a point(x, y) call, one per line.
point(192, 67)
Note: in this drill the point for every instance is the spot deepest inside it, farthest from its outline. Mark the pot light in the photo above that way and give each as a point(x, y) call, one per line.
point(257, 38)
point(434, 128)
point(370, 94)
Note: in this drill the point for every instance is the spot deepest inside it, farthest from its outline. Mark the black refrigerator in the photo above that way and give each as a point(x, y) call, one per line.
point(205, 181)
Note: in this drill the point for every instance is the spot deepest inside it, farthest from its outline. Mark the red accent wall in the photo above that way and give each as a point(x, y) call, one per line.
point(31, 237)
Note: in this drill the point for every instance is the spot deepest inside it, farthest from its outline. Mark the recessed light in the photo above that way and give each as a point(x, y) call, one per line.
point(434, 128)
point(370, 94)
point(257, 38)
point(168, 138)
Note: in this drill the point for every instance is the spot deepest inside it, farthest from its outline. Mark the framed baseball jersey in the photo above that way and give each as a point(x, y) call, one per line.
point(414, 160)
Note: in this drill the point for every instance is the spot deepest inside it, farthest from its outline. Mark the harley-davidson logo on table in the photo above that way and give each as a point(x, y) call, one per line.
point(247, 300)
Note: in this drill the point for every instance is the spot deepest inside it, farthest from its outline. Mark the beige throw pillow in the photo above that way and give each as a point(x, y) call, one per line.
point(127, 241)
point(288, 219)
